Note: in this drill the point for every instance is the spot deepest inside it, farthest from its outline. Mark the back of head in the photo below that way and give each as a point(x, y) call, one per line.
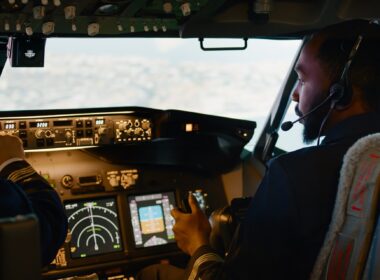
point(336, 44)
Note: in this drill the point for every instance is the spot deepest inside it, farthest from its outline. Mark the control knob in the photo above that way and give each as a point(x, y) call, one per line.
point(122, 126)
point(102, 130)
point(131, 132)
point(139, 131)
point(48, 133)
point(67, 181)
point(145, 124)
point(39, 133)
point(148, 132)
point(69, 136)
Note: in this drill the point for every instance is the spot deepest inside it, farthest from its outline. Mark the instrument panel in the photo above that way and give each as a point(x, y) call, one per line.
point(114, 225)
point(119, 172)
point(78, 131)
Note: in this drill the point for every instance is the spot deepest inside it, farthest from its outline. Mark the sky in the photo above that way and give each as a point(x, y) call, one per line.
point(156, 73)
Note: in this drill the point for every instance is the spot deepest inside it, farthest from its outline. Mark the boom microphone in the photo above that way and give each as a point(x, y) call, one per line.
point(289, 124)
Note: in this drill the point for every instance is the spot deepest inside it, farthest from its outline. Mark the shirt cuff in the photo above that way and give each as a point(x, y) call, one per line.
point(204, 254)
point(9, 161)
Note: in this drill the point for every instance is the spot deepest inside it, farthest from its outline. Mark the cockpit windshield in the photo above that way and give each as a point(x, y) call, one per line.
point(155, 73)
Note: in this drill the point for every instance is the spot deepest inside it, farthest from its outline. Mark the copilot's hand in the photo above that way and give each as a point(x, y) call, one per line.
point(10, 147)
point(191, 230)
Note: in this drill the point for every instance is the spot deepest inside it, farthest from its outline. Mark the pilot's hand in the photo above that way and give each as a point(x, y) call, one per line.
point(191, 230)
point(10, 147)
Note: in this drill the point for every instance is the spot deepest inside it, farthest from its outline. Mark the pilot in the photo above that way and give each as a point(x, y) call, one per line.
point(288, 217)
point(24, 191)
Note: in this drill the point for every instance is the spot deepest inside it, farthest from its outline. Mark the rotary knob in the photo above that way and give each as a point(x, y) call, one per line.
point(67, 181)
point(145, 124)
point(68, 136)
point(102, 130)
point(139, 131)
point(130, 131)
point(122, 126)
point(148, 132)
point(49, 134)
point(39, 133)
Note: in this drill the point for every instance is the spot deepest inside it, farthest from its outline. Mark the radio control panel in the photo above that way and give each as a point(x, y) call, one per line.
point(78, 131)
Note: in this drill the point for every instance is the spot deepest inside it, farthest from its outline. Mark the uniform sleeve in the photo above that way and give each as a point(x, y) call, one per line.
point(24, 191)
point(205, 264)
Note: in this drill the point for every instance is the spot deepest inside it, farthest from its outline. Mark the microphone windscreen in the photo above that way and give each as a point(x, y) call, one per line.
point(286, 126)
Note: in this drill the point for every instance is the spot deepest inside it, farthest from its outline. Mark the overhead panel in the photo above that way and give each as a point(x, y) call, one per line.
point(177, 18)
point(96, 18)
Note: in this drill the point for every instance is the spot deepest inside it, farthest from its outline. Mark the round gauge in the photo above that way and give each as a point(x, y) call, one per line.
point(94, 227)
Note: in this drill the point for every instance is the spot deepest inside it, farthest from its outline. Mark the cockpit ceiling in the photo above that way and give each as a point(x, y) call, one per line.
point(177, 18)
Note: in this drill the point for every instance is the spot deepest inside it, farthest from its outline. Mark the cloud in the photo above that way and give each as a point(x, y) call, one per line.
point(168, 44)
point(238, 89)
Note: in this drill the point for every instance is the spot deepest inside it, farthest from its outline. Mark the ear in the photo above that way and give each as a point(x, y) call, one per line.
point(336, 95)
point(341, 96)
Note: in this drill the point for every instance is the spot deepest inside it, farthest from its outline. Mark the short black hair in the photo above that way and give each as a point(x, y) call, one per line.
point(336, 44)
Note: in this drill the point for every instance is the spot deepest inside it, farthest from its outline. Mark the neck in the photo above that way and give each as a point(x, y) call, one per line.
point(356, 107)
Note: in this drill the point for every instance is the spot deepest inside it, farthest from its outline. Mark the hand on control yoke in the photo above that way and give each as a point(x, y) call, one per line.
point(191, 230)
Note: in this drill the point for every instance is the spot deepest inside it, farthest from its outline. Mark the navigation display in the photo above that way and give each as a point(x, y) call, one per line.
point(94, 227)
point(151, 220)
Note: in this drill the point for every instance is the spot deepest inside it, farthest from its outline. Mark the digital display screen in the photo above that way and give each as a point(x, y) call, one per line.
point(62, 123)
point(42, 124)
point(94, 227)
point(99, 121)
point(9, 126)
point(88, 180)
point(151, 220)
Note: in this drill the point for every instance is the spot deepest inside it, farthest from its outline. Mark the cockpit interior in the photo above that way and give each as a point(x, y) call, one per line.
point(119, 171)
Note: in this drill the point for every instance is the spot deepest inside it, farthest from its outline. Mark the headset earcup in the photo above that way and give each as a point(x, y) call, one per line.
point(336, 92)
point(339, 96)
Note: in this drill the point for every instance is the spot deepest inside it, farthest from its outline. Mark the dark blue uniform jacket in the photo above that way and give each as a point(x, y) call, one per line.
point(23, 191)
point(290, 213)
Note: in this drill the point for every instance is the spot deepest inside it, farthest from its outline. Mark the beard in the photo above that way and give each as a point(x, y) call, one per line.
point(313, 122)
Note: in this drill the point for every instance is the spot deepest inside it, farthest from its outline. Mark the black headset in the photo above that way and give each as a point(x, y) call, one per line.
point(340, 92)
